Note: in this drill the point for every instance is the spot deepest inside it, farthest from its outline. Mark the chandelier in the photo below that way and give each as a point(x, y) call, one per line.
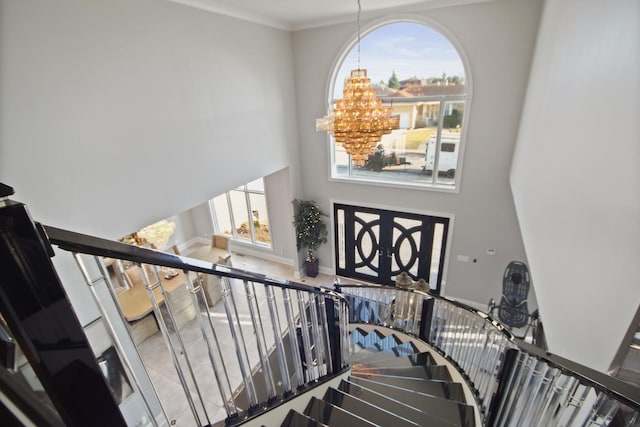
point(157, 234)
point(358, 120)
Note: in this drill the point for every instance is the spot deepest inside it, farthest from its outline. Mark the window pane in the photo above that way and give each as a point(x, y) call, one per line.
point(415, 86)
point(240, 217)
point(450, 142)
point(436, 253)
point(398, 49)
point(260, 219)
point(223, 219)
point(341, 239)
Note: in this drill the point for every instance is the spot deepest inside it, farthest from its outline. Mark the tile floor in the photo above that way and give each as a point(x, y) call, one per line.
point(160, 366)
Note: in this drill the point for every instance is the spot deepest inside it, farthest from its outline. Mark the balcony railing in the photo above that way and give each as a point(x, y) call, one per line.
point(516, 384)
point(296, 335)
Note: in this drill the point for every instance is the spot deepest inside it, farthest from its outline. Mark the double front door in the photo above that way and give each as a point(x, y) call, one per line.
point(376, 245)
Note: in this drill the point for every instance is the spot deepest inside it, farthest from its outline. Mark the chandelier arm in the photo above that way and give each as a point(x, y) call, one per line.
point(359, 120)
point(358, 19)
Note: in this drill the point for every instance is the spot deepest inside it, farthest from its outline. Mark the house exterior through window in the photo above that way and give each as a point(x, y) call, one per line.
point(242, 214)
point(420, 74)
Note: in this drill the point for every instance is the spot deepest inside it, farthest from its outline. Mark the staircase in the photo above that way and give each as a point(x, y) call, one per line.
point(394, 381)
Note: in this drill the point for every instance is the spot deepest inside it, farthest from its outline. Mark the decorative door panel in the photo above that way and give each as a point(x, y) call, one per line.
point(376, 245)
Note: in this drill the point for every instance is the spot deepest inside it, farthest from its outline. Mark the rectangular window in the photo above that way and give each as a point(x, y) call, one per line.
point(242, 214)
point(425, 150)
point(448, 147)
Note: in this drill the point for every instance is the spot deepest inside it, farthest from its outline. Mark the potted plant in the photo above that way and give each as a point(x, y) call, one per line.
point(311, 231)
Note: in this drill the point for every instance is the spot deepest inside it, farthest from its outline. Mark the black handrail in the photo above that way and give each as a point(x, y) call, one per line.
point(91, 245)
point(613, 387)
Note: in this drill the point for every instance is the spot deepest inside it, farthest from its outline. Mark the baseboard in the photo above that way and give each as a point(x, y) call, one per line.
point(259, 253)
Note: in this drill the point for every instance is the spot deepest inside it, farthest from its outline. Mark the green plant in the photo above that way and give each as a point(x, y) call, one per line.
point(311, 230)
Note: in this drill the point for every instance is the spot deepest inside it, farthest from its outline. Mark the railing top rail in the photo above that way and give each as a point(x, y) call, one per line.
point(620, 390)
point(91, 245)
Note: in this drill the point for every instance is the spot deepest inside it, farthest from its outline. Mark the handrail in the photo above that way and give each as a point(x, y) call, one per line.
point(82, 243)
point(457, 331)
point(326, 329)
point(300, 339)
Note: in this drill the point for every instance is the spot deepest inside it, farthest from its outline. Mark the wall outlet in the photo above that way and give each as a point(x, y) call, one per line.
point(491, 252)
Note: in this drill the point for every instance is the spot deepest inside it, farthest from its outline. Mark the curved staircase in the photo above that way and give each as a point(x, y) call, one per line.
point(395, 380)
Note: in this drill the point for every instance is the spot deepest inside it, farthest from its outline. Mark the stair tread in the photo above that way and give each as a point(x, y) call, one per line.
point(364, 338)
point(438, 407)
point(376, 341)
point(296, 419)
point(365, 409)
point(437, 373)
point(392, 405)
point(329, 414)
point(404, 349)
point(437, 389)
point(389, 360)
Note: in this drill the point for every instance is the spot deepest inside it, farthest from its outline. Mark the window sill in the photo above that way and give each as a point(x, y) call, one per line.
point(441, 188)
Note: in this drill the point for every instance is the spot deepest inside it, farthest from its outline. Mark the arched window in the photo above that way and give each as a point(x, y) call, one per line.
point(419, 72)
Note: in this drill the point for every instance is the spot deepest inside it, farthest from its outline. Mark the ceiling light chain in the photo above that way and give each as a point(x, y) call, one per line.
point(358, 120)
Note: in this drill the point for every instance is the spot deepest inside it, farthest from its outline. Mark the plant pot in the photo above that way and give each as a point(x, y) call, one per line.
point(311, 268)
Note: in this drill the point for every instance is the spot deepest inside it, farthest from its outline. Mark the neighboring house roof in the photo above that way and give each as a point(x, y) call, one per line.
point(425, 90)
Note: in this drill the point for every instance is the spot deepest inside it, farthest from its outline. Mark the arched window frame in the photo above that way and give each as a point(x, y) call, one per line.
point(366, 29)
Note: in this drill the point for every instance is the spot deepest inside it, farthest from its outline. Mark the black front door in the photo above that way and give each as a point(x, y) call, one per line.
point(376, 245)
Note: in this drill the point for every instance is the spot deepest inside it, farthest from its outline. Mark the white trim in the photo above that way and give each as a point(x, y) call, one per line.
point(410, 185)
point(258, 252)
point(227, 9)
point(182, 247)
point(410, 8)
point(449, 240)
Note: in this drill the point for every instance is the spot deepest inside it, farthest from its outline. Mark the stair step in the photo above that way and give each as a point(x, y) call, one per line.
point(364, 409)
point(374, 339)
point(389, 404)
point(296, 419)
point(365, 353)
point(438, 389)
point(361, 336)
point(434, 373)
point(404, 349)
point(444, 409)
point(332, 415)
point(389, 360)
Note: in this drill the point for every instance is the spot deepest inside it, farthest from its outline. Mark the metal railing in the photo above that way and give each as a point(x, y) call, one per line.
point(294, 338)
point(515, 384)
point(266, 340)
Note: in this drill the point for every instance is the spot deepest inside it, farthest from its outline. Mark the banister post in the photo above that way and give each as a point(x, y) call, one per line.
point(333, 326)
point(508, 365)
point(425, 319)
point(35, 307)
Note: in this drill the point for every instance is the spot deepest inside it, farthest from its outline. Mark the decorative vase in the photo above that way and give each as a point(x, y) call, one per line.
point(311, 267)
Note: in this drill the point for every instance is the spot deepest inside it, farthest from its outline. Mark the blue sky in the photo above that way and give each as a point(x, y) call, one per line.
point(408, 48)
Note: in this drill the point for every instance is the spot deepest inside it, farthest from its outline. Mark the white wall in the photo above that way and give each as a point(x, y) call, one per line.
point(498, 38)
point(115, 114)
point(580, 219)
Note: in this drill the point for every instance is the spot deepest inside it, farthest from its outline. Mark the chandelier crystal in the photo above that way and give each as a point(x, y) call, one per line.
point(359, 119)
point(158, 233)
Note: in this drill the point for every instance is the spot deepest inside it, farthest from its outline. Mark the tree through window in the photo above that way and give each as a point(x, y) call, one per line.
point(242, 214)
point(417, 71)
